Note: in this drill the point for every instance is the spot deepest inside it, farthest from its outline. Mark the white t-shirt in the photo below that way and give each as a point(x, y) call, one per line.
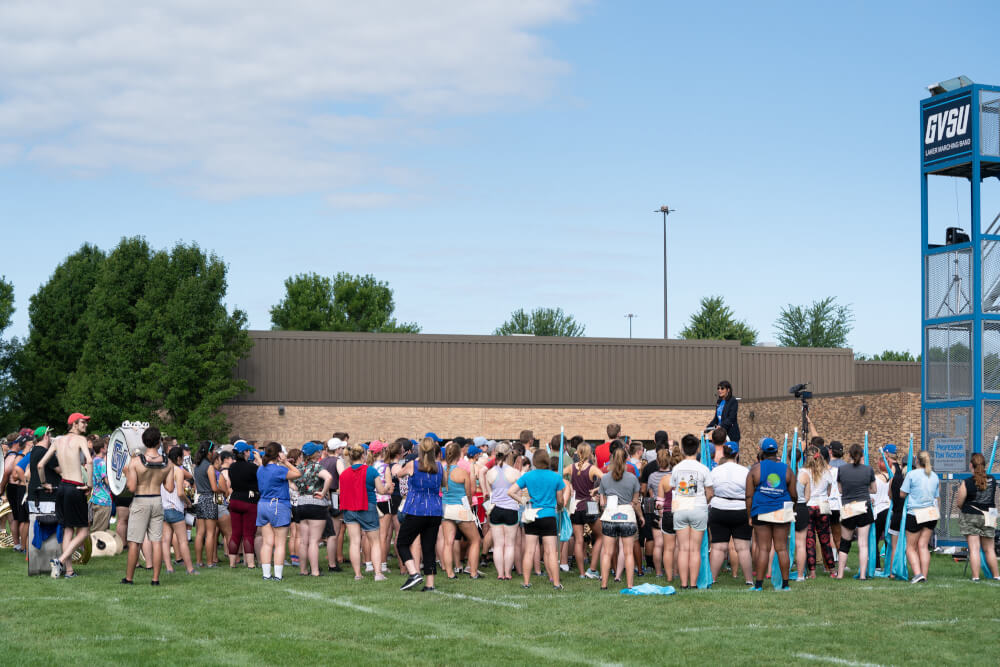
point(820, 491)
point(834, 490)
point(688, 480)
point(729, 482)
point(880, 499)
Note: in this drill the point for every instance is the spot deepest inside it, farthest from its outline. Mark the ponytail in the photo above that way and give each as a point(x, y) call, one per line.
point(618, 465)
point(856, 454)
point(978, 463)
point(271, 453)
point(925, 462)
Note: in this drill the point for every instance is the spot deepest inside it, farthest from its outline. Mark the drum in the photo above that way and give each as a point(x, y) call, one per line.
point(124, 443)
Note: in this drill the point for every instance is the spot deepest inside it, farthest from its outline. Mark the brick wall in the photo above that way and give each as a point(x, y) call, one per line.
point(304, 422)
point(888, 417)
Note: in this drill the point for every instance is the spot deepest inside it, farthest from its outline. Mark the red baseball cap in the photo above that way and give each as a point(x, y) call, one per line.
point(75, 417)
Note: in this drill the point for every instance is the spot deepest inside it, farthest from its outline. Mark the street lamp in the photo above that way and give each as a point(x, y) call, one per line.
point(664, 210)
point(630, 316)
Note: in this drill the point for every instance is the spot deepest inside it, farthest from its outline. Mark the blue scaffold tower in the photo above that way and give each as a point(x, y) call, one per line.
point(960, 369)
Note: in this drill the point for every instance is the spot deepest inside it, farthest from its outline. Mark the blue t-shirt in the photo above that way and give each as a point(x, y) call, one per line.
point(369, 483)
point(272, 480)
point(921, 489)
point(542, 486)
point(23, 463)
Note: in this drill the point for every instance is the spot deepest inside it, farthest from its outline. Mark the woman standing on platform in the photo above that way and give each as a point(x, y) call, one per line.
point(726, 409)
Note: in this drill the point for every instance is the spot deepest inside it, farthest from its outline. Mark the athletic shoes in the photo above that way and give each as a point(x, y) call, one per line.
point(57, 568)
point(755, 589)
point(411, 581)
point(558, 587)
point(427, 589)
point(918, 579)
point(564, 567)
point(267, 578)
point(784, 589)
point(336, 568)
point(369, 567)
point(592, 574)
point(385, 567)
point(127, 582)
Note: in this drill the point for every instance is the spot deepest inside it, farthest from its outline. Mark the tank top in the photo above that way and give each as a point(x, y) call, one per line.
point(455, 492)
point(353, 491)
point(771, 493)
point(424, 495)
point(501, 498)
point(800, 486)
point(170, 500)
point(201, 483)
point(582, 485)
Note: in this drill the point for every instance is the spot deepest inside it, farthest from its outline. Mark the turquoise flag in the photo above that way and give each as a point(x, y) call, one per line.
point(705, 571)
point(899, 569)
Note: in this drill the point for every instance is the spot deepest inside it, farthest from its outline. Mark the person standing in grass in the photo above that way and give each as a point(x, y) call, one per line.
point(976, 498)
point(243, 501)
point(173, 515)
point(274, 511)
point(818, 504)
point(584, 477)
point(423, 512)
point(503, 517)
point(770, 485)
point(923, 488)
point(100, 497)
point(358, 485)
point(313, 506)
point(619, 494)
point(145, 476)
point(206, 511)
point(691, 483)
point(542, 486)
point(727, 517)
point(880, 507)
point(458, 513)
point(857, 484)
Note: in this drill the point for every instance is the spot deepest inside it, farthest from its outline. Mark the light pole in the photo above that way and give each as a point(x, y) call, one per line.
point(630, 316)
point(664, 210)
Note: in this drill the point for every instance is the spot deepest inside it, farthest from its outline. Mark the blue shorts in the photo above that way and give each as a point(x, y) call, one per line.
point(172, 516)
point(273, 512)
point(368, 519)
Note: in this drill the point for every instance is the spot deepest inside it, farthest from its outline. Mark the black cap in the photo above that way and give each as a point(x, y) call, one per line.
point(837, 448)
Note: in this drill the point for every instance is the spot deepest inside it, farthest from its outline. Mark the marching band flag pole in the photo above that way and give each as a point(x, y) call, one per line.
point(705, 571)
point(899, 569)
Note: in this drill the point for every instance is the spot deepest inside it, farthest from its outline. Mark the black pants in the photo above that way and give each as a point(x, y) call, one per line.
point(427, 528)
point(880, 520)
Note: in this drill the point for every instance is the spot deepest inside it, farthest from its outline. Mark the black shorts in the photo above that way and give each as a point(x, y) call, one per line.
point(913, 527)
point(801, 516)
point(122, 501)
point(312, 512)
point(295, 514)
point(336, 513)
point(726, 524)
point(503, 517)
point(328, 529)
point(389, 507)
point(542, 527)
point(581, 518)
point(18, 508)
point(859, 521)
point(667, 523)
point(895, 520)
point(71, 505)
point(646, 529)
point(834, 517)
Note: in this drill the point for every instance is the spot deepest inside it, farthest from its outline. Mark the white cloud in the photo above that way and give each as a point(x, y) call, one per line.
point(230, 99)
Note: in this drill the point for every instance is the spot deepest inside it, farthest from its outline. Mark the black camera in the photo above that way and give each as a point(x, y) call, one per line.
point(799, 391)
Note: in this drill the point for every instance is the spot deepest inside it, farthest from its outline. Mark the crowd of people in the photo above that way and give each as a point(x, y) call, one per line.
point(613, 512)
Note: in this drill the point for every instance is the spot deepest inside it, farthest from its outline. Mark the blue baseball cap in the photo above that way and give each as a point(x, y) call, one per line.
point(433, 436)
point(311, 448)
point(889, 449)
point(734, 446)
point(474, 451)
point(768, 445)
point(242, 446)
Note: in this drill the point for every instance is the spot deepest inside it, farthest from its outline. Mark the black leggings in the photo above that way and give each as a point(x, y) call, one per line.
point(427, 528)
point(879, 536)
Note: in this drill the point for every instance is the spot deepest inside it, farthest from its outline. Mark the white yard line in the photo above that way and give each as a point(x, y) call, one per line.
point(834, 661)
point(472, 598)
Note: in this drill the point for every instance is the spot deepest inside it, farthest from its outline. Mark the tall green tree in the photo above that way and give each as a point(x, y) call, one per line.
point(715, 321)
point(56, 336)
point(6, 304)
point(540, 322)
point(346, 303)
point(825, 323)
point(9, 356)
point(160, 345)
point(893, 355)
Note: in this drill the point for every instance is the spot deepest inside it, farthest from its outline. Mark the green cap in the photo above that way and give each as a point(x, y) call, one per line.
point(41, 431)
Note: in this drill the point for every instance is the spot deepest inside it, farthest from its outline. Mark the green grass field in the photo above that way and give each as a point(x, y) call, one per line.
point(234, 617)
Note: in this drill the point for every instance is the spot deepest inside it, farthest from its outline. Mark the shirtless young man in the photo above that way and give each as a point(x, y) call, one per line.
point(144, 476)
point(71, 496)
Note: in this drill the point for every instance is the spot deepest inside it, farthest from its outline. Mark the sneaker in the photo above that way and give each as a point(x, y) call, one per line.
point(154, 583)
point(127, 582)
point(57, 568)
point(72, 575)
point(369, 567)
point(754, 589)
point(917, 579)
point(411, 581)
point(558, 587)
point(784, 588)
point(267, 578)
point(294, 560)
point(564, 567)
point(427, 589)
point(800, 579)
point(336, 568)
point(975, 580)
point(525, 585)
point(592, 574)
point(385, 567)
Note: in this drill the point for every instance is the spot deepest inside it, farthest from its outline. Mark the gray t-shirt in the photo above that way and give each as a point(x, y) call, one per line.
point(625, 488)
point(201, 483)
point(855, 482)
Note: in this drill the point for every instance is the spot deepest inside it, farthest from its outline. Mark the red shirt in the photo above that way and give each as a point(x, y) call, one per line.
point(603, 454)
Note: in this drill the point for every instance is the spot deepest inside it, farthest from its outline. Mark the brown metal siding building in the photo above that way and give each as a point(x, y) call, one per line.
point(386, 385)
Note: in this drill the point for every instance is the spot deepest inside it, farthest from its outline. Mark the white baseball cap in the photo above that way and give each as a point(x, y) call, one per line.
point(333, 444)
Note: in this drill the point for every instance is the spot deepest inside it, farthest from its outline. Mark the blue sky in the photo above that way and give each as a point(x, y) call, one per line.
point(482, 157)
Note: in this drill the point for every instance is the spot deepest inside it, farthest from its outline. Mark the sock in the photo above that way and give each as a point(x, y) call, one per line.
point(266, 570)
point(784, 583)
point(758, 583)
point(649, 560)
point(278, 569)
